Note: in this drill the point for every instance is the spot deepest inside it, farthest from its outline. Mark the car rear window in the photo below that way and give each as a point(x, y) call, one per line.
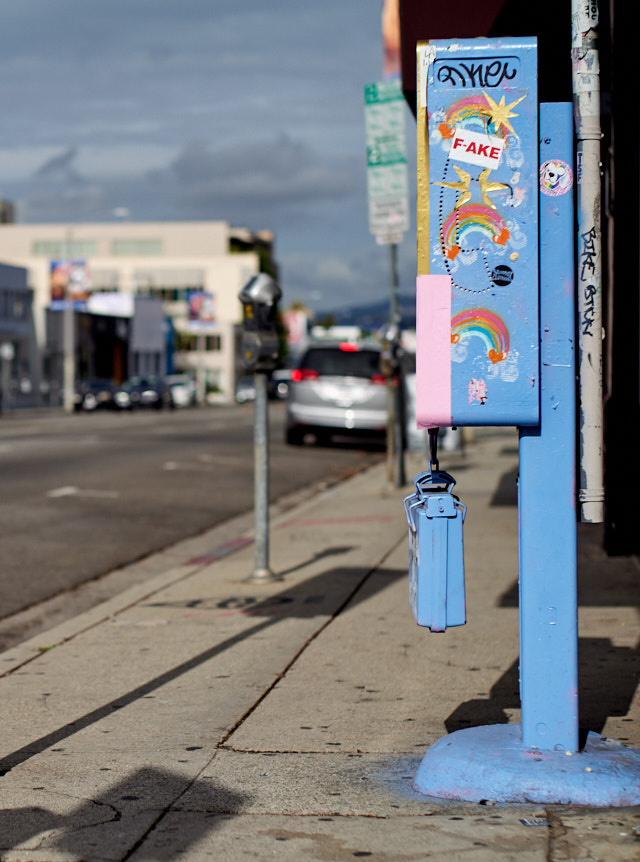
point(342, 363)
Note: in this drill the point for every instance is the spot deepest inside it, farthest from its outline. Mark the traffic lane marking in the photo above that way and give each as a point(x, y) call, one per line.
point(74, 491)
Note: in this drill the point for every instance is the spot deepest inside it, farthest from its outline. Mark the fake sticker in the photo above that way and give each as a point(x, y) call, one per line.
point(476, 148)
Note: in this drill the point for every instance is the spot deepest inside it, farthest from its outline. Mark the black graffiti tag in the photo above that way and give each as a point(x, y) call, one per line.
point(589, 255)
point(589, 312)
point(487, 74)
point(588, 260)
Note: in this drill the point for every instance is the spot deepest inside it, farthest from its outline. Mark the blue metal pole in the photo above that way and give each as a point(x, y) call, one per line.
point(547, 494)
point(539, 761)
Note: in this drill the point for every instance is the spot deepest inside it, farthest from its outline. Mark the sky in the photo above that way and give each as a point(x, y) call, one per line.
point(250, 111)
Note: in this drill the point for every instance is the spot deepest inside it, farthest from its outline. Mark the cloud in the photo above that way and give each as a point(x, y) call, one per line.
point(60, 167)
point(266, 183)
point(105, 110)
point(261, 177)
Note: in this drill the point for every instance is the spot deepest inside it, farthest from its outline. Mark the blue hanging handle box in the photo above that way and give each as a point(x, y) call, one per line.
point(436, 552)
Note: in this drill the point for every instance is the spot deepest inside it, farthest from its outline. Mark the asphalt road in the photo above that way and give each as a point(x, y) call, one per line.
point(85, 494)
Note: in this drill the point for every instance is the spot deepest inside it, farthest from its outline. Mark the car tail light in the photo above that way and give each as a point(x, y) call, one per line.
point(378, 378)
point(348, 347)
point(299, 374)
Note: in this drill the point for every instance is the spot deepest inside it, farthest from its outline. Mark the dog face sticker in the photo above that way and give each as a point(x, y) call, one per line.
point(556, 178)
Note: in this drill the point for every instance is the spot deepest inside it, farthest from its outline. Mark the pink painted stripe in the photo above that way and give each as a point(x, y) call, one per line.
point(433, 351)
point(218, 553)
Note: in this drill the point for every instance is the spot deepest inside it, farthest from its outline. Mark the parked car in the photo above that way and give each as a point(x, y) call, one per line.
point(182, 390)
point(94, 395)
point(279, 383)
point(337, 388)
point(245, 389)
point(147, 392)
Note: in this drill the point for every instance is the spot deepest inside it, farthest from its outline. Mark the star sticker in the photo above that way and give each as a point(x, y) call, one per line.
point(501, 113)
point(462, 186)
point(486, 187)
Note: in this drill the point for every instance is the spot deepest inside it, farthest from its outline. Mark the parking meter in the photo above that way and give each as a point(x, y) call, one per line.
point(436, 555)
point(260, 346)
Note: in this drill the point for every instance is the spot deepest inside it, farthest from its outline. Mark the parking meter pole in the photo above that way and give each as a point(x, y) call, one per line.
point(260, 347)
point(261, 572)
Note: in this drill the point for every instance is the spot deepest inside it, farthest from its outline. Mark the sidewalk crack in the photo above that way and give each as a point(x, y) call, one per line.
point(282, 674)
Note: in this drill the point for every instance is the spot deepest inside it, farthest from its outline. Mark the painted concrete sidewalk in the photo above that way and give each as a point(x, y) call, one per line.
point(197, 716)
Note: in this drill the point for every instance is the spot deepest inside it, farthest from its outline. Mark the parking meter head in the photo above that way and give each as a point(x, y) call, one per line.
point(260, 346)
point(261, 289)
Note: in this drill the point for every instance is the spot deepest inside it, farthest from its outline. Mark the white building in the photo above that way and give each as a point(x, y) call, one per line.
point(196, 268)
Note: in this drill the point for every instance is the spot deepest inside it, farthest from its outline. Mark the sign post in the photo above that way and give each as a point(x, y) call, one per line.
point(388, 193)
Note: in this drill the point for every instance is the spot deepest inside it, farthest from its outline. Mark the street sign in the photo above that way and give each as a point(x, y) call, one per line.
point(387, 177)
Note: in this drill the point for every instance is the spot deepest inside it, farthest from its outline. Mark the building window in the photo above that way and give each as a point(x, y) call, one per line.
point(135, 247)
point(186, 341)
point(193, 341)
point(105, 280)
point(18, 307)
point(170, 285)
point(166, 294)
point(65, 248)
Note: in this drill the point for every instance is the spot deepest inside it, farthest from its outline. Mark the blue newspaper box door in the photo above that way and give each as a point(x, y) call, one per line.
point(436, 554)
point(477, 225)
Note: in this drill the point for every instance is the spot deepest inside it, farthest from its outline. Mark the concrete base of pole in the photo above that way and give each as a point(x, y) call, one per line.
point(262, 575)
point(491, 763)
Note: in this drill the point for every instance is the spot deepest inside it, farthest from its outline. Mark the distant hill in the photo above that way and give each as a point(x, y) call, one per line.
point(372, 315)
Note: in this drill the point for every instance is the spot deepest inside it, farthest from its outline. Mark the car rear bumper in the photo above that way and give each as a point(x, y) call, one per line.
point(340, 418)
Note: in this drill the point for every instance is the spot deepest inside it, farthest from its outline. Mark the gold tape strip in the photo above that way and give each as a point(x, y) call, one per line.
point(422, 209)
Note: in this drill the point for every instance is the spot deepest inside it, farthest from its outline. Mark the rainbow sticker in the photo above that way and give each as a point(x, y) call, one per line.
point(472, 112)
point(484, 324)
point(471, 218)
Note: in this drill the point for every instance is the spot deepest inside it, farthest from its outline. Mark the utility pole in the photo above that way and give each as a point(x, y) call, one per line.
point(586, 105)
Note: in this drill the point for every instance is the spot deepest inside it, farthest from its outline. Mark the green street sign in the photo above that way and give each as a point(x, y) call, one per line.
point(387, 176)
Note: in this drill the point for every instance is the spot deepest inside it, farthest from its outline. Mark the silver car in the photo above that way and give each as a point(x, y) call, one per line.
point(336, 388)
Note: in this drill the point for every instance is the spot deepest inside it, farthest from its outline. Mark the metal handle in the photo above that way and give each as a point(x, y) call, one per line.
point(434, 479)
point(409, 507)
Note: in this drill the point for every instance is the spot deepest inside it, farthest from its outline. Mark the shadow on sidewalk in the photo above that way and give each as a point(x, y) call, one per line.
point(141, 798)
point(504, 694)
point(603, 582)
point(607, 677)
point(506, 492)
point(306, 599)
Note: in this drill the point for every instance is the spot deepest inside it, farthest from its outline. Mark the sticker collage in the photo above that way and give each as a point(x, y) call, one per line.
point(479, 154)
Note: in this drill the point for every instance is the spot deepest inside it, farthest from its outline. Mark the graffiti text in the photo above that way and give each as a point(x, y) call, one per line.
point(589, 309)
point(487, 74)
point(588, 256)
